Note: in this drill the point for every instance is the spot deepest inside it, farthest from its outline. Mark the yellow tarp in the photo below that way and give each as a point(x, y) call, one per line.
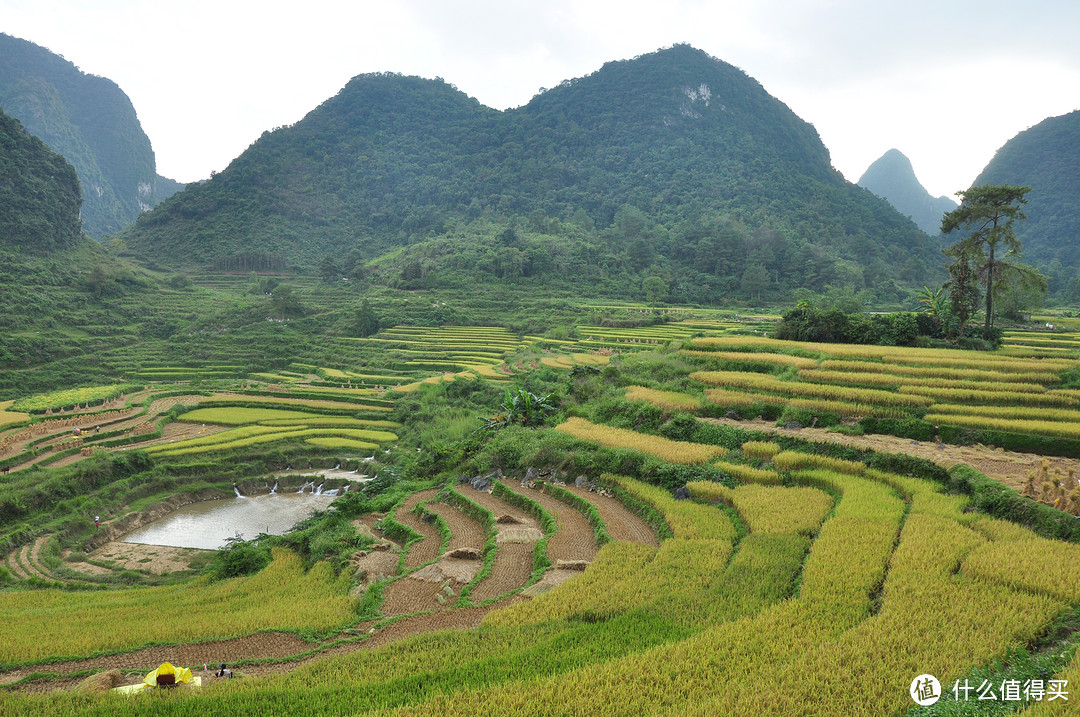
point(183, 674)
point(183, 677)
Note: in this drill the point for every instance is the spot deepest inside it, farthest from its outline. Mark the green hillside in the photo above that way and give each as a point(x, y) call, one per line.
point(670, 164)
point(1046, 158)
point(39, 193)
point(91, 122)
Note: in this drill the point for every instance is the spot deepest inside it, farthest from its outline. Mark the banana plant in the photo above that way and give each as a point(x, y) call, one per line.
point(521, 408)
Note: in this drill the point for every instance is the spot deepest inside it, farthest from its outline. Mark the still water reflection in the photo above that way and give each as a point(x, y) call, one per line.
point(207, 524)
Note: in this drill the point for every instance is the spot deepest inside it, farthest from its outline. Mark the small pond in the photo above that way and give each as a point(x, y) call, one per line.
point(208, 524)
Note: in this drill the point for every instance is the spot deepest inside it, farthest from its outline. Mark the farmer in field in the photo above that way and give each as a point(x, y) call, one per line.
point(97, 520)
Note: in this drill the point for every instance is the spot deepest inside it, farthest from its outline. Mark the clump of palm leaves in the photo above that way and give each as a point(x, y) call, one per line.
point(520, 408)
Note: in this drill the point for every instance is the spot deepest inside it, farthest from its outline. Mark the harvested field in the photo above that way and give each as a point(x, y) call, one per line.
point(432, 587)
point(512, 569)
point(157, 559)
point(375, 566)
point(621, 522)
point(573, 539)
point(465, 532)
point(496, 505)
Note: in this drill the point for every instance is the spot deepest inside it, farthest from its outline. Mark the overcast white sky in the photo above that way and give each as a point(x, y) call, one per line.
point(945, 82)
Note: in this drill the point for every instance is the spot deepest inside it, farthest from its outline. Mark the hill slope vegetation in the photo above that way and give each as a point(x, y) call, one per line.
point(672, 164)
point(91, 122)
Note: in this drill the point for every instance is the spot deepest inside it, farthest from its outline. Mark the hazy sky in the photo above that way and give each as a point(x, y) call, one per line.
point(947, 83)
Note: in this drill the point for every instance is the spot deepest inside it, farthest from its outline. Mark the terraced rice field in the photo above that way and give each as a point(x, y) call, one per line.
point(961, 389)
point(744, 601)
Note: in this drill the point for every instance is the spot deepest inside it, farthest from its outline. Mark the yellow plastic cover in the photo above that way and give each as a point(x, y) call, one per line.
point(183, 674)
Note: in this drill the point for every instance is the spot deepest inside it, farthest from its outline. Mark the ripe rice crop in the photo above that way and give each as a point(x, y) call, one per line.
point(663, 448)
point(312, 420)
point(591, 359)
point(8, 418)
point(964, 395)
point(760, 449)
point(615, 565)
point(337, 442)
point(1010, 412)
point(1060, 429)
point(988, 362)
point(754, 357)
point(764, 382)
point(112, 620)
point(770, 509)
point(722, 397)
point(229, 436)
point(1052, 568)
point(296, 402)
point(885, 380)
point(67, 398)
point(366, 439)
point(963, 374)
point(793, 460)
point(240, 415)
point(553, 362)
point(666, 400)
point(688, 520)
point(749, 474)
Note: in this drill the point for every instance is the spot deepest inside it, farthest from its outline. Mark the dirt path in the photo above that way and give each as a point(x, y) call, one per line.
point(1008, 467)
point(573, 539)
point(621, 522)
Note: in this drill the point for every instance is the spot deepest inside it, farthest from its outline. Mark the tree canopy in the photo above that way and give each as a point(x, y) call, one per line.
point(988, 213)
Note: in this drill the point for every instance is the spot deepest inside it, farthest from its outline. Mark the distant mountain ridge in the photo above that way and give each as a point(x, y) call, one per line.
point(893, 178)
point(699, 158)
point(91, 122)
point(1046, 158)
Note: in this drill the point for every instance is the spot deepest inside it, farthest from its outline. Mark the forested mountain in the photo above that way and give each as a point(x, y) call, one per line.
point(1046, 158)
point(673, 164)
point(91, 122)
point(892, 177)
point(39, 193)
